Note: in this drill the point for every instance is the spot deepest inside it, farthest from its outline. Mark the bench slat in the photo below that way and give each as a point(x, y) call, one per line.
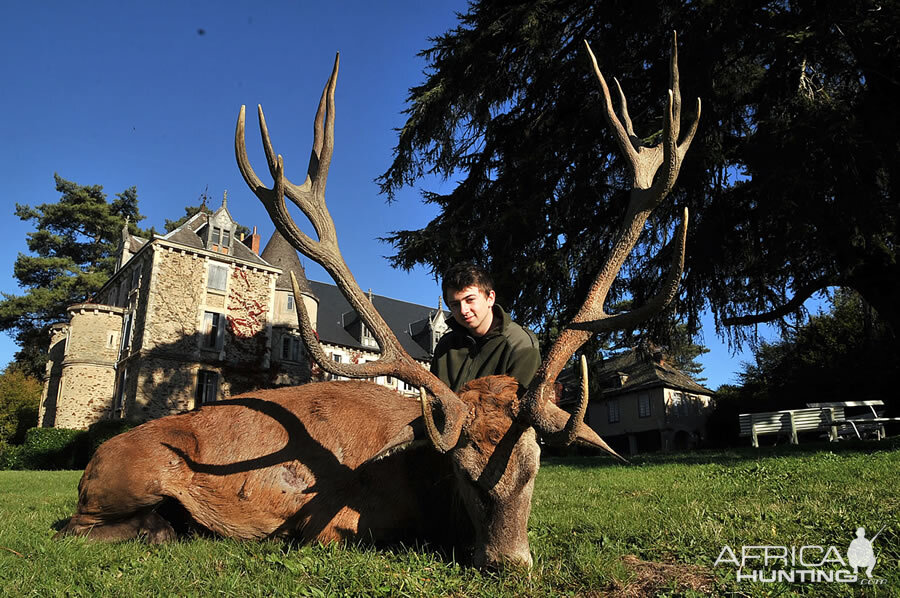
point(791, 421)
point(848, 404)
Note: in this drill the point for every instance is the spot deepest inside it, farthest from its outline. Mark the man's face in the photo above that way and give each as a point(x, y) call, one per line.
point(472, 309)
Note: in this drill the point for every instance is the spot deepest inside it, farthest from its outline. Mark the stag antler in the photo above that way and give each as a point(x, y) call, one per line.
point(310, 198)
point(654, 170)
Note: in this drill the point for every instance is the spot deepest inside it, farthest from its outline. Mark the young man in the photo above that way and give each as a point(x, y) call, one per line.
point(483, 340)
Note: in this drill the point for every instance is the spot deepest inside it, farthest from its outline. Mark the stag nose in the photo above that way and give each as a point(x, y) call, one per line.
point(518, 558)
point(521, 559)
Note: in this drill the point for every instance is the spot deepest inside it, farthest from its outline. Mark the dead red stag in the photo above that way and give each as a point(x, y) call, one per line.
point(338, 460)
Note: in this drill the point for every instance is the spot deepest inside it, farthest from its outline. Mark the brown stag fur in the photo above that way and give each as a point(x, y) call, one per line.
point(321, 462)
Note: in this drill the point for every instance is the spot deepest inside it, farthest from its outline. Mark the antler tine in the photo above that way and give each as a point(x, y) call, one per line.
point(310, 198)
point(324, 139)
point(567, 435)
point(623, 106)
point(621, 134)
point(674, 86)
point(654, 172)
point(240, 154)
point(271, 158)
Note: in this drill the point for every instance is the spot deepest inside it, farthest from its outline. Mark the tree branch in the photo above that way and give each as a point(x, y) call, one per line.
point(799, 298)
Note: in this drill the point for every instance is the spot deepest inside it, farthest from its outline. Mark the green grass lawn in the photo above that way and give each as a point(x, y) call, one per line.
point(653, 528)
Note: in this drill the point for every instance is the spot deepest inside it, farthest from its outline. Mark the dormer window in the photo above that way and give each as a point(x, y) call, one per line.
point(366, 337)
point(220, 239)
point(218, 234)
point(435, 337)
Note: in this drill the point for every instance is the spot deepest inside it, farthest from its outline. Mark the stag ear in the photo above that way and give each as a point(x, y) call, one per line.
point(411, 436)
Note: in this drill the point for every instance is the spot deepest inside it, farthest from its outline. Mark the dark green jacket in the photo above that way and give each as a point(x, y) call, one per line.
point(506, 348)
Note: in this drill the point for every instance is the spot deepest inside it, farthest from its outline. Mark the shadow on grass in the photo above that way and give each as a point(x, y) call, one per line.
point(728, 456)
point(60, 523)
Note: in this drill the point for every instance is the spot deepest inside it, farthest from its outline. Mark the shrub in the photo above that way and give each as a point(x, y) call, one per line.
point(59, 448)
point(11, 456)
point(54, 448)
point(20, 396)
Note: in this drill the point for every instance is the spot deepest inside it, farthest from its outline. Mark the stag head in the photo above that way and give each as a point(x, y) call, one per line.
point(489, 430)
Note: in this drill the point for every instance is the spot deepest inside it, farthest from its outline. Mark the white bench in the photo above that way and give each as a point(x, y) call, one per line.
point(791, 421)
point(871, 420)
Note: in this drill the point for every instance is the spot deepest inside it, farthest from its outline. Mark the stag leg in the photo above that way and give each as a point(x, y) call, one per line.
point(150, 526)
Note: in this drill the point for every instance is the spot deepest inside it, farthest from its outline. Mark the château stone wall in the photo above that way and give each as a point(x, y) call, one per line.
point(177, 326)
point(139, 299)
point(172, 316)
point(53, 376)
point(163, 386)
point(88, 374)
point(85, 395)
point(247, 342)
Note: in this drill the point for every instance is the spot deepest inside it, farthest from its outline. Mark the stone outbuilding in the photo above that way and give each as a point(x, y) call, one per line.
point(643, 404)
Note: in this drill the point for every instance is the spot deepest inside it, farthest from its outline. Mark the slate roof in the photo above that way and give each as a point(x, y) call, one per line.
point(135, 243)
point(645, 373)
point(188, 234)
point(282, 254)
point(642, 373)
point(335, 312)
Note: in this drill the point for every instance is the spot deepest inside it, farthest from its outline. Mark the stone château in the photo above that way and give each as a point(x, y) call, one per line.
point(198, 315)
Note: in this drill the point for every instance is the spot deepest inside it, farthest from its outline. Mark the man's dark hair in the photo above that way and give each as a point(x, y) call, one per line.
point(466, 274)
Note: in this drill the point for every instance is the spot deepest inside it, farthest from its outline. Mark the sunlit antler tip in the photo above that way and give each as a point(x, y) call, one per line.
point(590, 53)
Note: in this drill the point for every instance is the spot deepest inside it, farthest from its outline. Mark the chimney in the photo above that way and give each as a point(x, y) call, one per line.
point(252, 241)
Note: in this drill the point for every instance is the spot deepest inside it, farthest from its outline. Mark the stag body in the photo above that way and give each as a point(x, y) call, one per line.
point(320, 462)
point(331, 461)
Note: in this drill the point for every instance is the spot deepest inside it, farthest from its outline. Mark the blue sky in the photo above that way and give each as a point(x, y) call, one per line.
point(147, 94)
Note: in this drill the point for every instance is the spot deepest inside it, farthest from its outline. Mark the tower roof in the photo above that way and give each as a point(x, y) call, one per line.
point(281, 254)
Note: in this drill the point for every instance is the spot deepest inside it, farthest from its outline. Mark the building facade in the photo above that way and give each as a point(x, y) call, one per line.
point(199, 315)
point(643, 404)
